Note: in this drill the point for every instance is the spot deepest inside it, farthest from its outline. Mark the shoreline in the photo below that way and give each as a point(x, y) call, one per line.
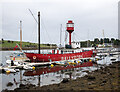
point(107, 78)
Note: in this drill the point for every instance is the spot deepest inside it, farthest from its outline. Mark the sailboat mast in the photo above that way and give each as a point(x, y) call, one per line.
point(21, 34)
point(60, 35)
point(103, 37)
point(38, 32)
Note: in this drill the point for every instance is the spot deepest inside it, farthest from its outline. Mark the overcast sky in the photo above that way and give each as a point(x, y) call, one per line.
point(89, 16)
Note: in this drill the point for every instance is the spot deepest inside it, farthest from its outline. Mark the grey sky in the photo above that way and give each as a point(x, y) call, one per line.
point(90, 18)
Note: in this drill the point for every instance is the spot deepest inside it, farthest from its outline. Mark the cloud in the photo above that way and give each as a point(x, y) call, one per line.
point(92, 15)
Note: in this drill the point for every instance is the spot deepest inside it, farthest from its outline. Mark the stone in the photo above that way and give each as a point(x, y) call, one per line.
point(22, 85)
point(89, 83)
point(102, 84)
point(9, 84)
point(65, 80)
point(91, 78)
point(104, 81)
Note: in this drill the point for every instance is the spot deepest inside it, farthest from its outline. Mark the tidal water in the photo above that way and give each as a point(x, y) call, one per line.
point(44, 79)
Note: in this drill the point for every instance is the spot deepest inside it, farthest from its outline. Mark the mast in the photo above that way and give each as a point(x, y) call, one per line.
point(60, 35)
point(103, 37)
point(88, 39)
point(21, 34)
point(38, 32)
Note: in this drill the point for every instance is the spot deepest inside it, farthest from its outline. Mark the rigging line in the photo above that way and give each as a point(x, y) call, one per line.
point(41, 25)
point(61, 32)
point(44, 35)
point(33, 16)
point(66, 35)
point(43, 38)
point(49, 37)
point(73, 36)
point(35, 21)
point(76, 36)
point(33, 35)
point(64, 41)
point(76, 39)
point(45, 29)
point(34, 38)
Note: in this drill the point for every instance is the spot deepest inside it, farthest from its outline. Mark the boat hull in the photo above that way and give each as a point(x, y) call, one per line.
point(34, 57)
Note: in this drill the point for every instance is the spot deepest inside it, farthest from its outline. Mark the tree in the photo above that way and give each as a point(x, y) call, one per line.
point(8, 41)
point(83, 44)
point(117, 42)
point(96, 41)
point(106, 40)
point(112, 40)
point(2, 39)
point(101, 41)
point(48, 44)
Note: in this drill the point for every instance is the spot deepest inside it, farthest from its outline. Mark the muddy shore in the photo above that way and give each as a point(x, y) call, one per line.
point(107, 78)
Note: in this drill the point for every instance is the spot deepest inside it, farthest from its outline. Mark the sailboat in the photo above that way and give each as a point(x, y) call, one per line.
point(58, 55)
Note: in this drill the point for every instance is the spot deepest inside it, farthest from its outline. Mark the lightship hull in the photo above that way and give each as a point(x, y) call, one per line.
point(34, 57)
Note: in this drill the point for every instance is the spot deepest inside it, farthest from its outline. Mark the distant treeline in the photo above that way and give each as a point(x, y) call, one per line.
point(113, 41)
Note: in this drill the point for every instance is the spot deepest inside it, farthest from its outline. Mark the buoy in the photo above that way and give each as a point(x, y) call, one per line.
point(52, 65)
point(78, 61)
point(33, 68)
point(73, 63)
point(69, 63)
point(90, 60)
point(8, 72)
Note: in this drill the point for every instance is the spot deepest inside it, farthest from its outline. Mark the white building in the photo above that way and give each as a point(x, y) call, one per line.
point(75, 44)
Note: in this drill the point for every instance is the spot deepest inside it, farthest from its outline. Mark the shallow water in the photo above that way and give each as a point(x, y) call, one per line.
point(44, 79)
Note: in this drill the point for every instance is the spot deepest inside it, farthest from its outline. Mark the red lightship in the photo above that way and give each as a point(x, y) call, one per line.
point(38, 57)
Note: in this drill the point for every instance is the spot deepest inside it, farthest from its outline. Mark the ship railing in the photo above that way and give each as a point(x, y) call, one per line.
point(51, 52)
point(74, 60)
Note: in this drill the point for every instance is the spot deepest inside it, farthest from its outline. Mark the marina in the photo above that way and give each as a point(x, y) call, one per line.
point(41, 68)
point(60, 45)
point(53, 74)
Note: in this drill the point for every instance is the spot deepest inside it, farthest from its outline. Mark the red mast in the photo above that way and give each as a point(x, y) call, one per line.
point(70, 29)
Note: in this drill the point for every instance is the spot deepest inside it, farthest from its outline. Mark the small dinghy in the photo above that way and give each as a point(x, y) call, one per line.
point(9, 70)
point(113, 58)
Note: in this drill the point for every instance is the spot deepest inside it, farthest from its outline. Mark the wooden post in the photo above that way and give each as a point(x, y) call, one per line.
point(21, 34)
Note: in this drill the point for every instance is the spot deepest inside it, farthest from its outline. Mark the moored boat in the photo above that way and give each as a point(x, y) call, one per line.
point(38, 57)
point(35, 57)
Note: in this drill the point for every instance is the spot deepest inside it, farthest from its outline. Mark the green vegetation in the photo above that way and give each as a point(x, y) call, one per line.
point(12, 44)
